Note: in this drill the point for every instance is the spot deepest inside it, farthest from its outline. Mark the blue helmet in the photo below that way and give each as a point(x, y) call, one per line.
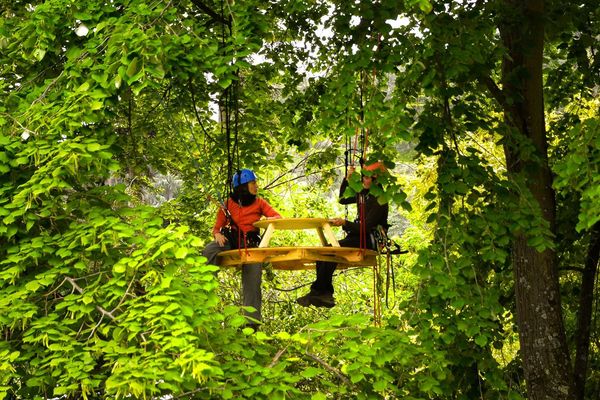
point(242, 176)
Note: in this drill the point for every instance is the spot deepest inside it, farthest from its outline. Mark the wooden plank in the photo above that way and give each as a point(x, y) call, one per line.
point(292, 223)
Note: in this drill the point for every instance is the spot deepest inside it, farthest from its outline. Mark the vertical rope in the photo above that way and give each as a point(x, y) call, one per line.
point(362, 225)
point(225, 111)
point(362, 118)
point(364, 142)
point(375, 294)
point(229, 99)
point(597, 303)
point(376, 299)
point(346, 161)
point(353, 144)
point(388, 274)
point(227, 140)
point(236, 119)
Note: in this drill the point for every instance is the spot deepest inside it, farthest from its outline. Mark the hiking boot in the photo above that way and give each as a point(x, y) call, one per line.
point(315, 299)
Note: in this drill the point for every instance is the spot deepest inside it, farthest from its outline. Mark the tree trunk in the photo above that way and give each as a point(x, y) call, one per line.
point(584, 317)
point(542, 336)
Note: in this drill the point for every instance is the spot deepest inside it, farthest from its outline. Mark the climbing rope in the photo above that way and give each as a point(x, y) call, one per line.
point(376, 298)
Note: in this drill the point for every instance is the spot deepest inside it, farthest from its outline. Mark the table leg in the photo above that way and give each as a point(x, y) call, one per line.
point(267, 236)
point(328, 232)
point(322, 236)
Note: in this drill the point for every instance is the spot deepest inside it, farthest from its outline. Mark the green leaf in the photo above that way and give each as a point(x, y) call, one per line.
point(181, 253)
point(39, 54)
point(311, 372)
point(357, 377)
point(32, 286)
point(84, 87)
point(118, 81)
point(380, 386)
point(133, 68)
point(93, 147)
point(119, 268)
point(425, 6)
point(481, 340)
point(225, 83)
point(160, 299)
point(96, 105)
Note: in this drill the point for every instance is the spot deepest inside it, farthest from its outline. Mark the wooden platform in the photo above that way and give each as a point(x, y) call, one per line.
point(298, 258)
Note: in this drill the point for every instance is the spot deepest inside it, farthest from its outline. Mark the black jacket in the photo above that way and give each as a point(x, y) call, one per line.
point(375, 213)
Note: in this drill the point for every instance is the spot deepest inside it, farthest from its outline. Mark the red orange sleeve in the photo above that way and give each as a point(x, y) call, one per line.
point(220, 222)
point(269, 211)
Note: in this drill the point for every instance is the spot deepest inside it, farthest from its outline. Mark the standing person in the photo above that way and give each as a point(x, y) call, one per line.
point(234, 229)
point(373, 214)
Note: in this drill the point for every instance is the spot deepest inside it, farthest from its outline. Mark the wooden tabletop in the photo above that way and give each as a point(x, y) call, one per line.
point(292, 223)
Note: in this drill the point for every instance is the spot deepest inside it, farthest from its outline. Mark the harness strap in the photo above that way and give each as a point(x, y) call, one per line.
point(246, 243)
point(362, 224)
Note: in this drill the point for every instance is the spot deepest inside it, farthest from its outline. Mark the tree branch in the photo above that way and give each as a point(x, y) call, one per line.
point(210, 12)
point(328, 367)
point(124, 295)
point(277, 356)
point(80, 290)
point(272, 184)
point(191, 392)
point(496, 92)
point(45, 92)
point(192, 92)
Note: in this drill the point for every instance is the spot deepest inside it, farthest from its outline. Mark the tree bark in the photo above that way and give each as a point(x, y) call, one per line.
point(542, 335)
point(584, 317)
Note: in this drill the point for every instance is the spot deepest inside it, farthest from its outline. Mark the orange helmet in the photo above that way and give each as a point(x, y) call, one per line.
point(376, 167)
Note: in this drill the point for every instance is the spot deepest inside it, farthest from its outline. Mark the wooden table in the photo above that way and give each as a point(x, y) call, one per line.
point(298, 257)
point(321, 225)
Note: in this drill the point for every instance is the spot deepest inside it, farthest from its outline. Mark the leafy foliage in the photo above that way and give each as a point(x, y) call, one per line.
point(103, 296)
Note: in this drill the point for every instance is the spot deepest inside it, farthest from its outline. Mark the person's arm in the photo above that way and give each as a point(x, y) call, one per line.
point(220, 222)
point(268, 211)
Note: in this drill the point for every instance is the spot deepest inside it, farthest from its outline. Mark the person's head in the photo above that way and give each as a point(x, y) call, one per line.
point(370, 172)
point(244, 182)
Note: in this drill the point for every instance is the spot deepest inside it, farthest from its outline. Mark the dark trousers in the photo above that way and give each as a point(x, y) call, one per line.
point(324, 282)
point(251, 279)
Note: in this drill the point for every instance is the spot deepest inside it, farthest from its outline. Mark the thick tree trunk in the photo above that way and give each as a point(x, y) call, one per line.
point(584, 317)
point(538, 310)
point(539, 318)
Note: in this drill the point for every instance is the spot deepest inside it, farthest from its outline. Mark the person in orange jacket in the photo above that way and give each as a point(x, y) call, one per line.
point(234, 229)
point(373, 215)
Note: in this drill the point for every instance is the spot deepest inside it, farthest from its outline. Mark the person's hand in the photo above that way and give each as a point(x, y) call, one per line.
point(337, 221)
point(220, 239)
point(351, 169)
